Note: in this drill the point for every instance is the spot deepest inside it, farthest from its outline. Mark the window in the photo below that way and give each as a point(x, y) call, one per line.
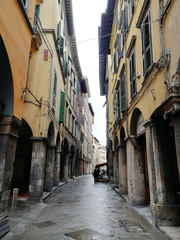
point(60, 43)
point(123, 93)
point(117, 105)
point(58, 30)
point(37, 10)
point(131, 2)
point(54, 90)
point(62, 107)
point(132, 63)
point(146, 43)
point(125, 20)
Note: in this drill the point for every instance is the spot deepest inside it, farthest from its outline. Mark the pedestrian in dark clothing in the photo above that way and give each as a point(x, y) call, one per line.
point(96, 174)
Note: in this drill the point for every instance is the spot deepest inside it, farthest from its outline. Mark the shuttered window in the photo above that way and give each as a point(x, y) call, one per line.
point(62, 107)
point(123, 93)
point(146, 43)
point(133, 74)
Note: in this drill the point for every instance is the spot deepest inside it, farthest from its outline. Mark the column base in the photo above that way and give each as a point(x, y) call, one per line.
point(166, 215)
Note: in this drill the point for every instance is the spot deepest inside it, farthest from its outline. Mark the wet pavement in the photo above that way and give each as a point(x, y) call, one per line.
point(81, 210)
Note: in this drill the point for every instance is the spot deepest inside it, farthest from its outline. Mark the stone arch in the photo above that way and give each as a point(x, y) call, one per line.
point(137, 121)
point(6, 83)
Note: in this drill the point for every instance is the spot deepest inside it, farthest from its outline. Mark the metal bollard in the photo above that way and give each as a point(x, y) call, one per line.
point(15, 197)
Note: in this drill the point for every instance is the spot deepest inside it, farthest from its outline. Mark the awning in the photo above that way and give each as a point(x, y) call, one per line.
point(102, 164)
point(104, 40)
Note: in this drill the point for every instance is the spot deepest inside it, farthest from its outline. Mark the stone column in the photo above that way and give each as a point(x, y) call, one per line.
point(9, 128)
point(49, 168)
point(160, 179)
point(57, 167)
point(122, 170)
point(36, 183)
point(151, 166)
point(166, 211)
point(115, 168)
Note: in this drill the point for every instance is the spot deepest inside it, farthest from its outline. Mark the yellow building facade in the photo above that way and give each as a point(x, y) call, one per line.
point(16, 32)
point(142, 71)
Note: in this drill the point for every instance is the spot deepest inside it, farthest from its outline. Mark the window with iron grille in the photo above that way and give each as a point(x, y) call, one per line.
point(146, 42)
point(132, 63)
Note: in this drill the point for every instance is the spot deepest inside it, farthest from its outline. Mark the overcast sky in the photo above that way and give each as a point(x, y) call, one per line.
point(87, 16)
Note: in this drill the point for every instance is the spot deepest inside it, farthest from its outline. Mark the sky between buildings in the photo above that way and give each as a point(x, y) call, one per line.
point(87, 16)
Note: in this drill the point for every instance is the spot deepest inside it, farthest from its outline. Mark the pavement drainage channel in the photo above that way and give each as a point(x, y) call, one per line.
point(82, 234)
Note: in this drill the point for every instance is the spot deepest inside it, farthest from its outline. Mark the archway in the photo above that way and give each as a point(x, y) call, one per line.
point(6, 83)
point(64, 160)
point(165, 165)
point(22, 164)
point(140, 177)
point(50, 159)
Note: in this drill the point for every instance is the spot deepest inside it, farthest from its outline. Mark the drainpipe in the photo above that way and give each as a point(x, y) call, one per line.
point(163, 51)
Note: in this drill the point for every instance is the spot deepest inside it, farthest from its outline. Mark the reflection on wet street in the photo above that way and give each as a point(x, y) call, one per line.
point(84, 210)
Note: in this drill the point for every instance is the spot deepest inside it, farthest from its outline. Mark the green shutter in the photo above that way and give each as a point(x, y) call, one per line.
point(62, 107)
point(60, 43)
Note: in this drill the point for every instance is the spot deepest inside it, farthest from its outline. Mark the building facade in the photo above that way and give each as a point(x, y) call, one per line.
point(14, 57)
point(139, 73)
point(42, 92)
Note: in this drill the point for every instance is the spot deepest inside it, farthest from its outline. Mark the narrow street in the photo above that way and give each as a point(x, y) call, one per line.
point(81, 210)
